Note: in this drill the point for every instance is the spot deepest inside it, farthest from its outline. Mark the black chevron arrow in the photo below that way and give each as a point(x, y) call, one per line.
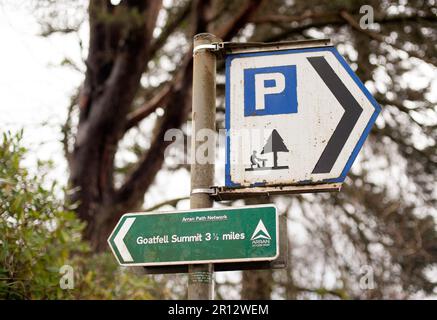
point(352, 112)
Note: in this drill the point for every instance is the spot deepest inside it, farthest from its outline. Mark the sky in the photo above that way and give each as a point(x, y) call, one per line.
point(34, 89)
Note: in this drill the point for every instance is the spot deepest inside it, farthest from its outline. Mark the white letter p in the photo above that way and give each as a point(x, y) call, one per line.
point(261, 90)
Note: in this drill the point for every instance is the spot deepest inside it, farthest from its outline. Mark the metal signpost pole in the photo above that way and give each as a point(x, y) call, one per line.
point(201, 276)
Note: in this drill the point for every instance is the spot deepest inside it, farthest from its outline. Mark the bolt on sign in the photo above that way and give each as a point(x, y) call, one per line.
point(293, 116)
point(197, 236)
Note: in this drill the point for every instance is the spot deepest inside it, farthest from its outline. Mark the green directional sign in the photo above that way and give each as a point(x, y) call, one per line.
point(196, 236)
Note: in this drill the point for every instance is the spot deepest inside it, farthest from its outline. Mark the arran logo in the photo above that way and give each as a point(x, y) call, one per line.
point(260, 232)
point(260, 237)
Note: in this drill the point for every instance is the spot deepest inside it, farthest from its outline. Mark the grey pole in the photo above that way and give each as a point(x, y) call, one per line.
point(201, 276)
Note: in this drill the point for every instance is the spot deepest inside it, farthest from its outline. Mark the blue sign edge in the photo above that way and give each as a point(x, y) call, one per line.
point(352, 157)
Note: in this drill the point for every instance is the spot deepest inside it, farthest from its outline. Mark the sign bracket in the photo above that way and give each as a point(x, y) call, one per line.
point(203, 191)
point(238, 47)
point(225, 193)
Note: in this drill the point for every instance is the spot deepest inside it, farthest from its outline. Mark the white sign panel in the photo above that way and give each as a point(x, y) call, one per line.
point(295, 116)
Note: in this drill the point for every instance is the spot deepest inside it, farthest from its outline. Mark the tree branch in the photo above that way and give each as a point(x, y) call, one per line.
point(131, 193)
point(128, 67)
point(160, 99)
point(239, 20)
point(299, 29)
point(48, 30)
point(379, 37)
point(340, 292)
point(163, 96)
point(332, 19)
point(384, 101)
point(173, 23)
point(278, 18)
point(117, 56)
point(66, 128)
point(171, 202)
point(136, 184)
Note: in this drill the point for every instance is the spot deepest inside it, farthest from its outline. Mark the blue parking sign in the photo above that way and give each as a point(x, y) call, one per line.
point(270, 90)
